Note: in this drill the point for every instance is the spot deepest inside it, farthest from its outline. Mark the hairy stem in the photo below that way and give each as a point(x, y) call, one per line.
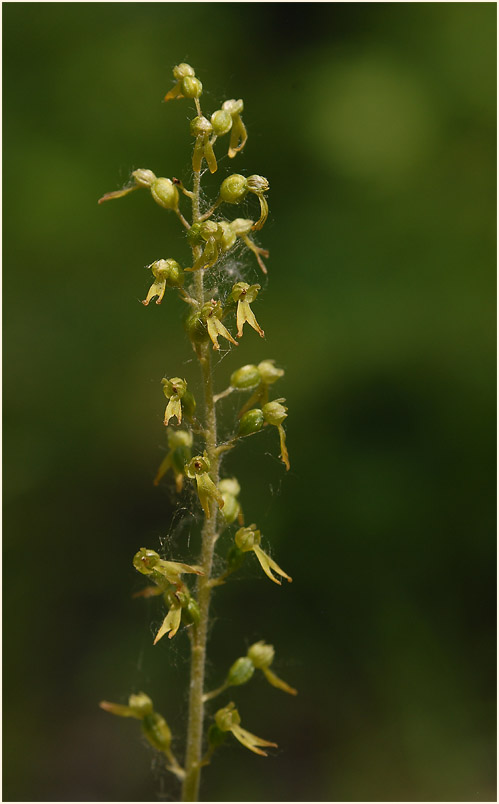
point(193, 760)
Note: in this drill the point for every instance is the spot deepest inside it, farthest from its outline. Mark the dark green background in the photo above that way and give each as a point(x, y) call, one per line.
point(375, 125)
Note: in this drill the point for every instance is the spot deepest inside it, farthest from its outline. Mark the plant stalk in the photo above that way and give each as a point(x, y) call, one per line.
point(193, 757)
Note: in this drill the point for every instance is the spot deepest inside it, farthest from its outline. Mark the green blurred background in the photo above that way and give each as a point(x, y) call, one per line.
point(375, 125)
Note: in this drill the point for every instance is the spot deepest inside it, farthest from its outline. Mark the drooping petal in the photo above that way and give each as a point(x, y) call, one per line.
point(245, 313)
point(157, 289)
point(207, 491)
point(164, 466)
point(171, 623)
point(238, 136)
point(267, 564)
point(284, 450)
point(217, 329)
point(118, 193)
point(174, 408)
point(119, 709)
point(251, 741)
point(278, 682)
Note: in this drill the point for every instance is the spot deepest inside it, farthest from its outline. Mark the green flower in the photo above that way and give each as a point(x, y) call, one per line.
point(228, 719)
point(244, 294)
point(262, 656)
point(197, 469)
point(166, 273)
point(248, 540)
point(211, 314)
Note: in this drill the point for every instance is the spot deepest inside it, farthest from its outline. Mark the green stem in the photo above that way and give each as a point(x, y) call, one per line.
point(193, 760)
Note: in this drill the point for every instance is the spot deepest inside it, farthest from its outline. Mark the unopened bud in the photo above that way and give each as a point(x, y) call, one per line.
point(245, 377)
point(229, 485)
point(240, 672)
point(165, 193)
point(251, 422)
point(157, 732)
point(233, 188)
point(221, 121)
point(191, 87)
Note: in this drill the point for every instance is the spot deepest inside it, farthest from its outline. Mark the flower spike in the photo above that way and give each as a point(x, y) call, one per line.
point(248, 540)
point(228, 719)
point(244, 294)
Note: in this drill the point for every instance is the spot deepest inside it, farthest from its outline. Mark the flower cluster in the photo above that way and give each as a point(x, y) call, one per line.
point(218, 309)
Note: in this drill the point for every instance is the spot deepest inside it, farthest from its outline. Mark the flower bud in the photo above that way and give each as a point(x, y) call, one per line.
point(229, 237)
point(141, 704)
point(145, 560)
point(274, 413)
point(221, 120)
point(144, 178)
point(241, 226)
point(268, 372)
point(196, 328)
point(165, 193)
point(240, 672)
point(251, 422)
point(245, 377)
point(182, 70)
point(191, 87)
point(179, 438)
point(261, 654)
point(191, 612)
point(233, 188)
point(199, 126)
point(157, 732)
point(229, 485)
point(231, 508)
